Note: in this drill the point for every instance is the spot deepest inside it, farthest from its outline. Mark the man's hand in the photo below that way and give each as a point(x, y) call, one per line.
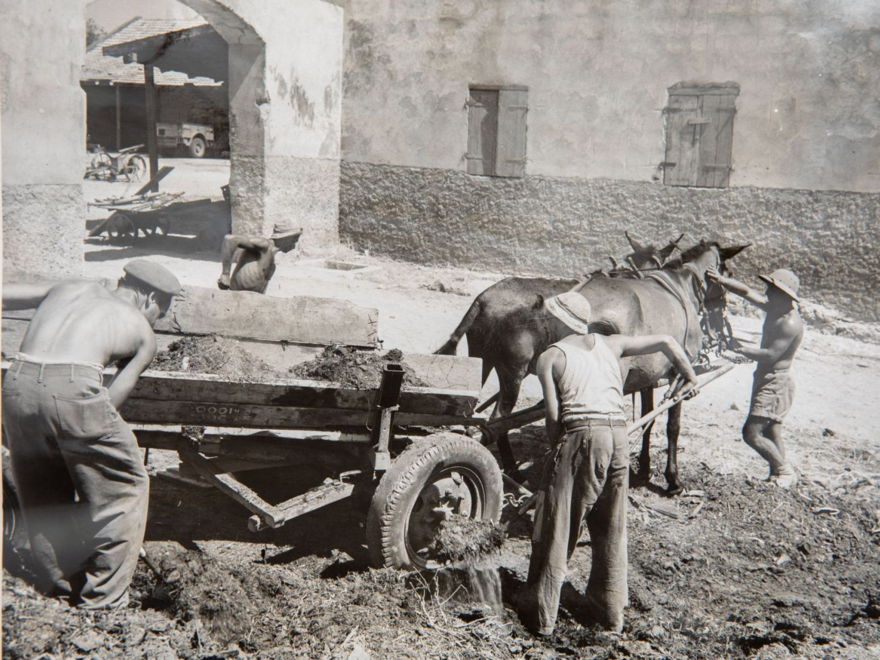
point(690, 389)
point(713, 275)
point(734, 345)
point(687, 388)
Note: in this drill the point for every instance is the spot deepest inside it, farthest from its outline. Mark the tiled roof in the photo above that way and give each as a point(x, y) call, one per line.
point(100, 67)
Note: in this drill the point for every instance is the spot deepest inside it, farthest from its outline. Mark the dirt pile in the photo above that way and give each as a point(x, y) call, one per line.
point(354, 368)
point(213, 354)
point(463, 539)
point(747, 567)
point(733, 569)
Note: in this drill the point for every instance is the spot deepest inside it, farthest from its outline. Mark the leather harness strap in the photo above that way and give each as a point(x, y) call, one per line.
point(666, 282)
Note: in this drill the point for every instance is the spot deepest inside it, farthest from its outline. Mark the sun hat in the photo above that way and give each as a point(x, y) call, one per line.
point(572, 309)
point(153, 275)
point(285, 239)
point(784, 280)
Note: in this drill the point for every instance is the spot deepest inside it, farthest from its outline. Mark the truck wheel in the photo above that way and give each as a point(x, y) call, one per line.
point(198, 147)
point(448, 474)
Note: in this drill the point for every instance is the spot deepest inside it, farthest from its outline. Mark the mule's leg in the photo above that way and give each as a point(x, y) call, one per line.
point(509, 384)
point(673, 428)
point(644, 474)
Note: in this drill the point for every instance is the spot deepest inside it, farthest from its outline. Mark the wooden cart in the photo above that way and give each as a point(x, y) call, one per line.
point(384, 440)
point(392, 442)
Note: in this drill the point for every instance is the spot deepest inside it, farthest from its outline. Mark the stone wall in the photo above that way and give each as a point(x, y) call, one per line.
point(566, 226)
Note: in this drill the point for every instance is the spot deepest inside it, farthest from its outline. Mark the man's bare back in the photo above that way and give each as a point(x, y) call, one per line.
point(85, 322)
point(253, 271)
point(254, 259)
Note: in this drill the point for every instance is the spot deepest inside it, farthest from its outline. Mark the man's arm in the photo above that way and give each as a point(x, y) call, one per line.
point(735, 286)
point(787, 332)
point(544, 370)
point(232, 243)
point(25, 296)
point(132, 368)
point(629, 346)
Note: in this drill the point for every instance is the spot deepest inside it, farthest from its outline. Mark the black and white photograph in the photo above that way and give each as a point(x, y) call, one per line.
point(467, 329)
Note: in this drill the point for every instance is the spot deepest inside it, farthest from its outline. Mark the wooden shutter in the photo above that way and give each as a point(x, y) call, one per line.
point(512, 110)
point(683, 131)
point(699, 134)
point(716, 144)
point(482, 131)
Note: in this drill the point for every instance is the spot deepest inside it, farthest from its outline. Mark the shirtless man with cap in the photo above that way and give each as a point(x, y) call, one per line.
point(586, 477)
point(254, 259)
point(773, 387)
point(76, 466)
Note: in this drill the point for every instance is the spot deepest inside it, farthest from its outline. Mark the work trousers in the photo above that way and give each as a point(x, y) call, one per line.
point(81, 482)
point(585, 478)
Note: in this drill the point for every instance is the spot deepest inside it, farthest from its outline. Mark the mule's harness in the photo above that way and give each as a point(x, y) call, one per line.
point(663, 279)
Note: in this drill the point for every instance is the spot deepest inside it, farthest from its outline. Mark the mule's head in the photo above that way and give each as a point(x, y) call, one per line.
point(703, 256)
point(666, 252)
point(644, 255)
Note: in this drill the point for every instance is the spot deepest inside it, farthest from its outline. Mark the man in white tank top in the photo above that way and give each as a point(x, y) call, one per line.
point(586, 478)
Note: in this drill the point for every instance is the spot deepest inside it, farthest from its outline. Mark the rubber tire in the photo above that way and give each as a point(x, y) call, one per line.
point(137, 167)
point(392, 503)
point(198, 147)
point(15, 540)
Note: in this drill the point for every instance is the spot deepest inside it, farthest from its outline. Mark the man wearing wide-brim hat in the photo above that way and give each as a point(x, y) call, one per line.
point(773, 386)
point(75, 464)
point(585, 478)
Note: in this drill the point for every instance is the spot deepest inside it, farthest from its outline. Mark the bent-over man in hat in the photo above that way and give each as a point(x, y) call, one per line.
point(586, 477)
point(76, 466)
point(254, 259)
point(773, 386)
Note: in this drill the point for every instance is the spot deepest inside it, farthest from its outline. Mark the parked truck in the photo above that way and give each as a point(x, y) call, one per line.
point(198, 139)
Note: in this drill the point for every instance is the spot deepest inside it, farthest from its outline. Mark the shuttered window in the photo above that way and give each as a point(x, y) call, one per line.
point(699, 134)
point(497, 131)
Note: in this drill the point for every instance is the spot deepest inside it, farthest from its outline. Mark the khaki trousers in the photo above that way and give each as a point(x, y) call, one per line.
point(585, 478)
point(80, 479)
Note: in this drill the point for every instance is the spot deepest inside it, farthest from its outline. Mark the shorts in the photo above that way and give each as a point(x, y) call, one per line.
point(772, 395)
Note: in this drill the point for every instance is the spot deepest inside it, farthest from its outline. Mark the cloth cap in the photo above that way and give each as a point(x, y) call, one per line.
point(153, 275)
point(572, 309)
point(784, 280)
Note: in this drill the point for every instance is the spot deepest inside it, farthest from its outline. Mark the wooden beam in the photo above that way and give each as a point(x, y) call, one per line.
point(151, 112)
point(248, 315)
point(118, 118)
point(300, 505)
point(234, 488)
point(217, 391)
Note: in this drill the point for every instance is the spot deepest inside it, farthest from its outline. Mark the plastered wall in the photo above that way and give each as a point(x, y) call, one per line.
point(42, 113)
point(598, 73)
point(285, 68)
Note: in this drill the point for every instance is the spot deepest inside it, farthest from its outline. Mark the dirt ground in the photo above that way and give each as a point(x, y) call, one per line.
point(731, 568)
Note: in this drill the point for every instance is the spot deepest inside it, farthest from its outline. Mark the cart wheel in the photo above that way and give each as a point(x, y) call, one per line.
point(102, 166)
point(136, 168)
point(197, 147)
point(449, 474)
point(120, 225)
